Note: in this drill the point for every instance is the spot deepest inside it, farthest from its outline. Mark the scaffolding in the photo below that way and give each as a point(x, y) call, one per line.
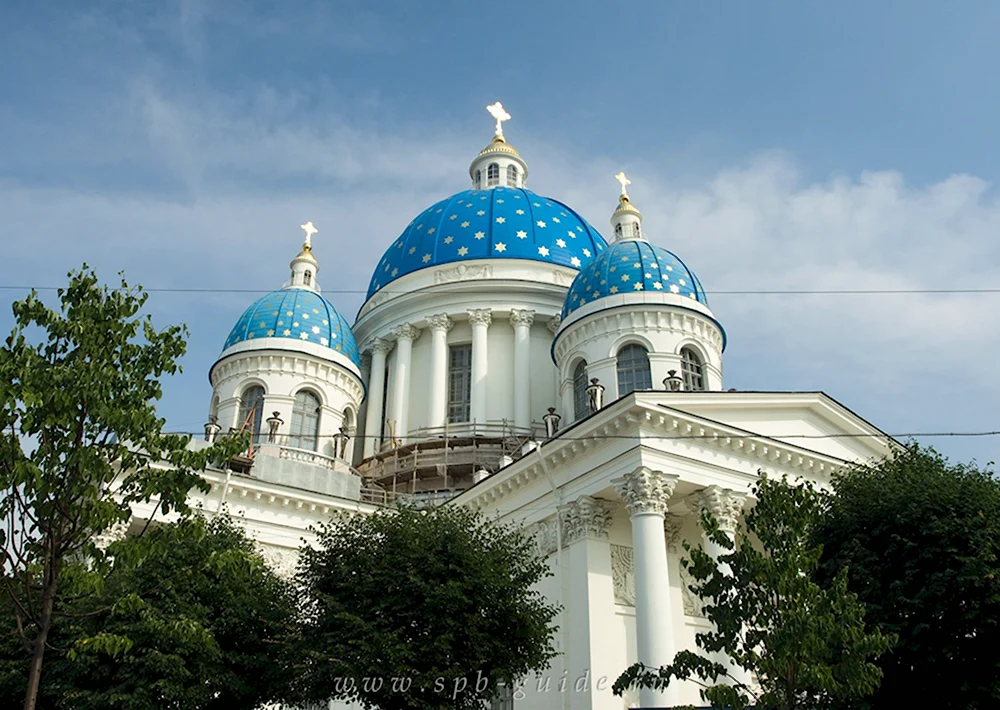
point(436, 463)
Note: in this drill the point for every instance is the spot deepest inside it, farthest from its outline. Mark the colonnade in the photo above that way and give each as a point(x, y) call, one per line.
point(402, 338)
point(591, 604)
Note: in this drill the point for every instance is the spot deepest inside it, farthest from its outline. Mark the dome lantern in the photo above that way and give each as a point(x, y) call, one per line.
point(498, 164)
point(304, 266)
point(626, 221)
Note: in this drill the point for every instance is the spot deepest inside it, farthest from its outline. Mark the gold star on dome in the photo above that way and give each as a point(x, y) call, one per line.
point(657, 285)
point(613, 289)
point(500, 247)
point(426, 258)
point(480, 213)
point(518, 211)
point(501, 220)
point(586, 252)
point(575, 262)
point(270, 333)
point(462, 251)
point(674, 289)
point(480, 235)
point(556, 220)
point(431, 230)
point(543, 251)
point(560, 243)
point(637, 286)
point(413, 250)
point(541, 224)
point(448, 240)
point(286, 332)
point(624, 277)
point(521, 234)
point(464, 225)
point(454, 216)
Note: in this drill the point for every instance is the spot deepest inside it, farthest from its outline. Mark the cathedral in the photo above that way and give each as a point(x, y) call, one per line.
point(512, 359)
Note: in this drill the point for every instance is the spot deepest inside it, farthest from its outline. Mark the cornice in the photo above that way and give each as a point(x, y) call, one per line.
point(630, 418)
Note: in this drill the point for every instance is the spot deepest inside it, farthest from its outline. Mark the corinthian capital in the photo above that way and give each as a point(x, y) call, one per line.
point(405, 332)
point(723, 504)
point(440, 322)
point(585, 517)
point(480, 316)
point(521, 317)
point(646, 491)
point(380, 345)
point(553, 324)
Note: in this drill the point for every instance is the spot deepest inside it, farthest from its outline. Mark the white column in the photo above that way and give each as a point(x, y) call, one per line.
point(376, 395)
point(591, 658)
point(521, 321)
point(438, 395)
point(726, 506)
point(400, 402)
point(480, 319)
point(645, 493)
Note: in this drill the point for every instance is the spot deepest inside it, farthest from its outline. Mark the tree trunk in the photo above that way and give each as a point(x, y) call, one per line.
point(44, 624)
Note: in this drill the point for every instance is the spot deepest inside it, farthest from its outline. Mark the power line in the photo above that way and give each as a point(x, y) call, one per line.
point(768, 292)
point(746, 435)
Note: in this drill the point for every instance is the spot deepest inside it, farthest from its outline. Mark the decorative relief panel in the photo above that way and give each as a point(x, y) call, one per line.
point(463, 272)
point(623, 574)
point(546, 536)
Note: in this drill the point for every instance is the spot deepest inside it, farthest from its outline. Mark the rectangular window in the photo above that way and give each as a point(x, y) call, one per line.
point(459, 382)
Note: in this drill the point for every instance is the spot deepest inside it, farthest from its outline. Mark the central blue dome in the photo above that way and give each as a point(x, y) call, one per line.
point(498, 223)
point(299, 315)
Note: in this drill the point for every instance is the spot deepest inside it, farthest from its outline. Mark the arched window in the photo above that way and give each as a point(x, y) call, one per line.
point(580, 409)
point(252, 411)
point(304, 433)
point(479, 180)
point(633, 370)
point(492, 175)
point(635, 230)
point(309, 278)
point(512, 175)
point(692, 370)
point(618, 230)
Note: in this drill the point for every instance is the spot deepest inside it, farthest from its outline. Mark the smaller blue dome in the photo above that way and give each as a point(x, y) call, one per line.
point(299, 315)
point(628, 266)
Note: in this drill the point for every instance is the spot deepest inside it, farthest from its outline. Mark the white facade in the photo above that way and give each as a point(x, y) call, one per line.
point(462, 359)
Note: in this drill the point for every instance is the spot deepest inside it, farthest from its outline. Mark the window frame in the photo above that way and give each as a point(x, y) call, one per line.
point(692, 369)
point(459, 383)
point(633, 371)
point(299, 436)
point(579, 380)
point(246, 404)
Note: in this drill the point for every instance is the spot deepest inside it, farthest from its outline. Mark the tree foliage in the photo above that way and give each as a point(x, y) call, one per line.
point(81, 443)
point(413, 609)
point(190, 617)
point(805, 643)
point(921, 538)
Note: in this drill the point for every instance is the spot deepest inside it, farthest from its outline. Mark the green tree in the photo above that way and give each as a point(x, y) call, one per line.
point(190, 617)
point(413, 609)
point(805, 643)
point(921, 538)
point(80, 442)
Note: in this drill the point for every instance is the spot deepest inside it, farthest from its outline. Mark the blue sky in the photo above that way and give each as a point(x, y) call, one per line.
point(772, 145)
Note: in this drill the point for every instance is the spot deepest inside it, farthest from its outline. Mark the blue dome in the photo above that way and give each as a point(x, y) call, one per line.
point(297, 314)
point(498, 223)
point(632, 265)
